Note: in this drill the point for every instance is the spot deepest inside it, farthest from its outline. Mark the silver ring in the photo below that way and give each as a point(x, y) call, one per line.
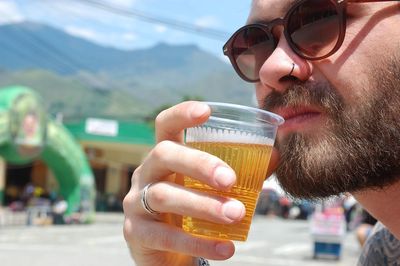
point(291, 71)
point(145, 203)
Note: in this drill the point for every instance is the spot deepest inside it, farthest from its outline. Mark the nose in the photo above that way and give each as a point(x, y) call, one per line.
point(283, 68)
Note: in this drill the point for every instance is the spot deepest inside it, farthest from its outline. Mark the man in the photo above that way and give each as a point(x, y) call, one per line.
point(332, 70)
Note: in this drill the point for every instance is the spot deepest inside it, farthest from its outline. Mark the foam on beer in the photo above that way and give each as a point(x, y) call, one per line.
point(208, 134)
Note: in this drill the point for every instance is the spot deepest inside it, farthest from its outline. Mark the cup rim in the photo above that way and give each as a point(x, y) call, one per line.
point(273, 118)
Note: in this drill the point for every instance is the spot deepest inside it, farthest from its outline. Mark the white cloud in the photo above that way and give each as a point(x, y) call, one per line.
point(84, 33)
point(10, 13)
point(129, 36)
point(207, 22)
point(124, 40)
point(160, 28)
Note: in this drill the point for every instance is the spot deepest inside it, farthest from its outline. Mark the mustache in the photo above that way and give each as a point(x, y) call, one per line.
point(319, 94)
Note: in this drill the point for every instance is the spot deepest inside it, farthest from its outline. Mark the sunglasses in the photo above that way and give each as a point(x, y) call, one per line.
point(314, 30)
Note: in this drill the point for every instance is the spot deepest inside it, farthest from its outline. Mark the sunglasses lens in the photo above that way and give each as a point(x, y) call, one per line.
point(314, 27)
point(250, 48)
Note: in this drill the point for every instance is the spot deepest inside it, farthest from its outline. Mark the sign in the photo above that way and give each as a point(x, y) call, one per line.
point(101, 127)
point(28, 125)
point(331, 222)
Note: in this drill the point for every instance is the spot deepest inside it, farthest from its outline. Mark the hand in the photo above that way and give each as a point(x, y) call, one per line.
point(159, 239)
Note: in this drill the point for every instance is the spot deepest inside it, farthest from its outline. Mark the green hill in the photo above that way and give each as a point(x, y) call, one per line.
point(73, 98)
point(80, 78)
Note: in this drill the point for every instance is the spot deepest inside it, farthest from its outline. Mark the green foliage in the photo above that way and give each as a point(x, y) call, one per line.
point(73, 98)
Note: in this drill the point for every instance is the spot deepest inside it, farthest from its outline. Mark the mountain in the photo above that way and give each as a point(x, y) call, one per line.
point(36, 45)
point(58, 64)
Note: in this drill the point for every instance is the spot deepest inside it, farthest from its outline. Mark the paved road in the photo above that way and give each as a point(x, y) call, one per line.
point(279, 242)
point(272, 242)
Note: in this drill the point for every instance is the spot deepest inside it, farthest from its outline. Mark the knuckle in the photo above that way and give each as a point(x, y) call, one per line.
point(217, 209)
point(130, 231)
point(126, 202)
point(161, 150)
point(159, 197)
point(127, 230)
point(130, 205)
point(214, 208)
point(135, 176)
point(166, 115)
point(160, 118)
point(131, 196)
point(207, 163)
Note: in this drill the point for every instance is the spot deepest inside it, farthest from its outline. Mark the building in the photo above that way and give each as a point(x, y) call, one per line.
point(88, 162)
point(114, 150)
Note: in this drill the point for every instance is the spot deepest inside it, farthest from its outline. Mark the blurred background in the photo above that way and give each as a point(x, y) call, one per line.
point(81, 82)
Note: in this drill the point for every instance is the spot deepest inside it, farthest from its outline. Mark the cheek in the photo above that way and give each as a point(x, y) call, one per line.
point(353, 82)
point(349, 71)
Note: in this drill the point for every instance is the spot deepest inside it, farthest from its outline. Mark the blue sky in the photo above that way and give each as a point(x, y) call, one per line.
point(84, 20)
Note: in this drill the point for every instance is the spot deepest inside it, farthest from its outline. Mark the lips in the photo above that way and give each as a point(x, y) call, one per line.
point(299, 118)
point(296, 113)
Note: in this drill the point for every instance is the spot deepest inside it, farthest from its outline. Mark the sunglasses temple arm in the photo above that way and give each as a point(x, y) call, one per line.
point(367, 1)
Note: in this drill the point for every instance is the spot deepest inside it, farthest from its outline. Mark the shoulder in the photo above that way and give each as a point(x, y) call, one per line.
point(381, 248)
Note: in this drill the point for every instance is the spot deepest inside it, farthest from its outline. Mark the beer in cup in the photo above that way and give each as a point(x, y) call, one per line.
point(243, 137)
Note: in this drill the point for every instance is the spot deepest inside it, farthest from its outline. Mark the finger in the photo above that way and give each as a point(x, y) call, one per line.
point(273, 162)
point(166, 197)
point(169, 157)
point(163, 237)
point(170, 123)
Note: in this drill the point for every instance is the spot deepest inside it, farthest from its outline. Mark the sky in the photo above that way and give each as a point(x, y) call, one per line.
point(135, 24)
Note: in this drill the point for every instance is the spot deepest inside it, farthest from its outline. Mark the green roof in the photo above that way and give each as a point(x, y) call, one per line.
point(122, 132)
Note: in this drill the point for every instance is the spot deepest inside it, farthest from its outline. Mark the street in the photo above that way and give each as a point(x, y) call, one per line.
point(277, 242)
point(272, 241)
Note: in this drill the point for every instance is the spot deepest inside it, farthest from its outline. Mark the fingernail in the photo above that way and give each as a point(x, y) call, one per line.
point(199, 109)
point(233, 210)
point(224, 249)
point(224, 176)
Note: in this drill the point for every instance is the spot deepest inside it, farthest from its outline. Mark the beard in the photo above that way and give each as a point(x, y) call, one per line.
point(359, 147)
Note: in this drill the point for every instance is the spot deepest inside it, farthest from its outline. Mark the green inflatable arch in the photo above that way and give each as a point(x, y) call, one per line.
point(27, 134)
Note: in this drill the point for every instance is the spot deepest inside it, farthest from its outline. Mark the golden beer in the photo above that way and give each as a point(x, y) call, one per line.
point(250, 163)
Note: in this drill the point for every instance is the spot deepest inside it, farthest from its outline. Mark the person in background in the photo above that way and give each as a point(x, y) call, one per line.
point(350, 207)
point(332, 70)
point(364, 229)
point(59, 208)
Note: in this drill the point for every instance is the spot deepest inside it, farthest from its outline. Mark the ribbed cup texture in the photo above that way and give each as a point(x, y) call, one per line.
point(250, 163)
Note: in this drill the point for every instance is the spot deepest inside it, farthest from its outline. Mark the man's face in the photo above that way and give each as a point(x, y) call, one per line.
point(342, 128)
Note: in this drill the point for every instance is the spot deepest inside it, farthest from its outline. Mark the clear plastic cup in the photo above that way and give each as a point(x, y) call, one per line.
point(243, 137)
